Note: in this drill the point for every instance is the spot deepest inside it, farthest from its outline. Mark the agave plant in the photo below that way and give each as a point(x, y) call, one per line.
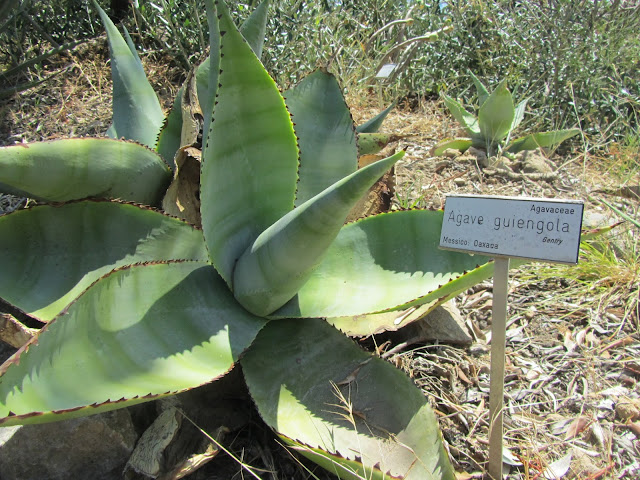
point(138, 305)
point(497, 119)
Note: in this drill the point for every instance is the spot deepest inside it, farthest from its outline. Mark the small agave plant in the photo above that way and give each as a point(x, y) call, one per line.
point(138, 304)
point(497, 119)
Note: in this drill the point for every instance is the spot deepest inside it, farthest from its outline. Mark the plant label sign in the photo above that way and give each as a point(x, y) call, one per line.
point(386, 70)
point(532, 228)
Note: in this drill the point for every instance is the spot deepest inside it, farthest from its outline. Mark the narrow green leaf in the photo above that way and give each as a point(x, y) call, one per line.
point(483, 93)
point(208, 71)
point(254, 27)
point(373, 124)
point(69, 169)
point(461, 144)
point(138, 333)
point(542, 139)
point(496, 115)
point(326, 136)
point(316, 387)
point(283, 257)
point(385, 262)
point(250, 161)
point(519, 114)
point(623, 215)
point(466, 119)
point(370, 143)
point(39, 59)
point(50, 254)
point(137, 114)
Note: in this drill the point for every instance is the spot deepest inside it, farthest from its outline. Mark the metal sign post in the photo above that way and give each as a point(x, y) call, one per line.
point(506, 227)
point(498, 344)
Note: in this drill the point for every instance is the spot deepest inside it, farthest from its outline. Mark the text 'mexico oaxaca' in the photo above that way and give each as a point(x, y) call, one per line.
point(534, 228)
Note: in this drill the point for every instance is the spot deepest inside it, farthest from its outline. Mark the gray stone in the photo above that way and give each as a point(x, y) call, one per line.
point(444, 324)
point(480, 156)
point(149, 455)
point(95, 447)
point(598, 219)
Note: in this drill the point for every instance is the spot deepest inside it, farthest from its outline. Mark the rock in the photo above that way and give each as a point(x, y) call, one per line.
point(451, 153)
point(95, 447)
point(480, 156)
point(597, 219)
point(628, 410)
point(442, 165)
point(534, 162)
point(460, 182)
point(173, 446)
point(444, 324)
point(147, 458)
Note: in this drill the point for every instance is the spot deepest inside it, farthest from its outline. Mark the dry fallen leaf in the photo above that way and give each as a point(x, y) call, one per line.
point(635, 428)
point(558, 469)
point(576, 427)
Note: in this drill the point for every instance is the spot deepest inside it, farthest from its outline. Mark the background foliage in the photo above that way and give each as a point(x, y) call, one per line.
point(577, 60)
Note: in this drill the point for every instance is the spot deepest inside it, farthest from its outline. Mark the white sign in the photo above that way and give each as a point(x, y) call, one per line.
point(386, 70)
point(534, 228)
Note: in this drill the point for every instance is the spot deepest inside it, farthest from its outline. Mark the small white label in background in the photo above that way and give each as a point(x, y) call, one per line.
point(539, 229)
point(386, 70)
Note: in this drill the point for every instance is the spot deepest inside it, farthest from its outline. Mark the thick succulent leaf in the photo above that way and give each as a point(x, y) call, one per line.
point(70, 169)
point(542, 139)
point(461, 144)
point(283, 257)
point(326, 135)
point(111, 132)
point(483, 93)
point(138, 333)
point(385, 262)
point(254, 27)
point(373, 124)
point(169, 138)
point(137, 114)
point(370, 143)
point(496, 115)
point(466, 119)
point(51, 254)
point(314, 386)
point(349, 469)
point(250, 163)
point(132, 46)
